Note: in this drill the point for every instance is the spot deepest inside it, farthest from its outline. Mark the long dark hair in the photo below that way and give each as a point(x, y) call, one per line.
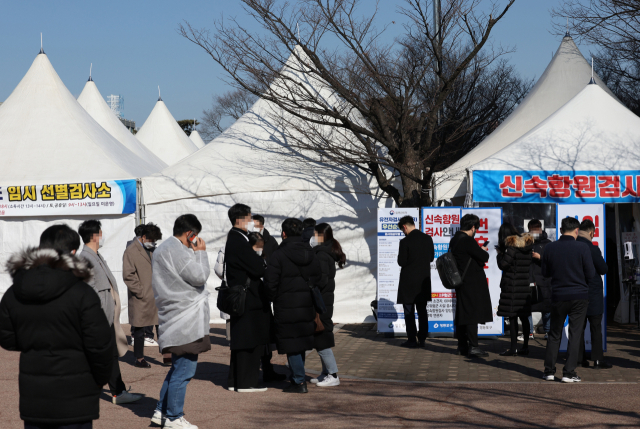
point(327, 233)
point(506, 230)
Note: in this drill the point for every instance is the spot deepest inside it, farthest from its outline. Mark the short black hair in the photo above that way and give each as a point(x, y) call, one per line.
point(468, 221)
point(587, 225)
point(186, 222)
point(533, 224)
point(139, 230)
point(151, 232)
point(292, 227)
point(237, 211)
point(405, 220)
point(258, 218)
point(308, 222)
point(255, 237)
point(88, 229)
point(61, 238)
point(569, 224)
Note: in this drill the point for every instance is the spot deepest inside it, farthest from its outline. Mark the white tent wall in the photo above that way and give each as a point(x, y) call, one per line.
point(352, 217)
point(21, 232)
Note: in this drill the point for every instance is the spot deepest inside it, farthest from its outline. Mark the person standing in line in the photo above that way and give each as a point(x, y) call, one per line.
point(136, 273)
point(270, 243)
point(514, 259)
point(544, 284)
point(180, 273)
point(595, 308)
point(415, 255)
point(473, 302)
point(290, 271)
point(54, 319)
point(138, 230)
point(329, 253)
point(104, 283)
point(569, 265)
point(250, 331)
point(308, 229)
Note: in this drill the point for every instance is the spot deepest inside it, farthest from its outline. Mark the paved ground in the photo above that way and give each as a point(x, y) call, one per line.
point(385, 386)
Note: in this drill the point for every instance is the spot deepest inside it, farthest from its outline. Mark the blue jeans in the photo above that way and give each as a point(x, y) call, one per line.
point(530, 324)
point(174, 388)
point(296, 364)
point(546, 322)
point(329, 365)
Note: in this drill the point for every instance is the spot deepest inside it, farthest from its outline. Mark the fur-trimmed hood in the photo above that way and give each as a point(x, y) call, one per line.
point(519, 241)
point(42, 274)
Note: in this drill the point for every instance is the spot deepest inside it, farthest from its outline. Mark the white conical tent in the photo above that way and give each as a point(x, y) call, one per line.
point(196, 139)
point(94, 104)
point(162, 135)
point(565, 76)
point(45, 134)
point(242, 166)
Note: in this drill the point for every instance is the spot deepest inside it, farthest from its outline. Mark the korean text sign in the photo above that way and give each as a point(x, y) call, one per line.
point(55, 199)
point(390, 314)
point(557, 186)
point(595, 213)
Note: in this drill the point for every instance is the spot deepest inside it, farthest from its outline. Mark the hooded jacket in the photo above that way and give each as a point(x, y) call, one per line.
point(286, 280)
point(328, 259)
point(515, 263)
point(55, 320)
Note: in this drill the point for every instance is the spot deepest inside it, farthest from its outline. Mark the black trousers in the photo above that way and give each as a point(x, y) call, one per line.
point(265, 360)
point(116, 385)
point(577, 312)
point(410, 321)
point(595, 326)
point(85, 425)
point(467, 336)
point(244, 368)
point(139, 334)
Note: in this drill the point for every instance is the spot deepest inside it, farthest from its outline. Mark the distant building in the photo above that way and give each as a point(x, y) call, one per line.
point(131, 125)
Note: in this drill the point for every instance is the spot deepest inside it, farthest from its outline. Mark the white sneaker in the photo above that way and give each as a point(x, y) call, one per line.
point(521, 338)
point(531, 337)
point(252, 390)
point(549, 377)
point(319, 379)
point(149, 342)
point(158, 418)
point(180, 423)
point(231, 389)
point(574, 379)
point(126, 398)
point(329, 381)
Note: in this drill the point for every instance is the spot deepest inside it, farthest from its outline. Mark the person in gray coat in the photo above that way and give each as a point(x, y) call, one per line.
point(104, 283)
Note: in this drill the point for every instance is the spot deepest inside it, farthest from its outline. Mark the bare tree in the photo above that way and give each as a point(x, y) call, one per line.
point(385, 105)
point(226, 108)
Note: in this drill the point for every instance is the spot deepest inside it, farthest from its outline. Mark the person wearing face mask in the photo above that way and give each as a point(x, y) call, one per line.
point(250, 332)
point(54, 319)
point(136, 273)
point(270, 243)
point(104, 283)
point(473, 302)
point(415, 254)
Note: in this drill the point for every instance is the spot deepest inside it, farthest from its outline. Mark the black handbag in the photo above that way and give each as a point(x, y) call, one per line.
point(316, 295)
point(231, 299)
point(536, 294)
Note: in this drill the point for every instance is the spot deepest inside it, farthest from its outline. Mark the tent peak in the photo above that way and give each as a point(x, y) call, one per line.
point(90, 78)
point(41, 48)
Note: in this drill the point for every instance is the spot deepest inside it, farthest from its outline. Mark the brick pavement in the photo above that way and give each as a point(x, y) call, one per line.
point(362, 353)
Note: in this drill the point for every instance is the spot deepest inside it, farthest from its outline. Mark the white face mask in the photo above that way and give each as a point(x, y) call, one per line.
point(313, 241)
point(259, 252)
point(251, 226)
point(100, 242)
point(149, 245)
point(259, 231)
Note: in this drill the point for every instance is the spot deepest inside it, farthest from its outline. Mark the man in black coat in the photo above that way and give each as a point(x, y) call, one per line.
point(544, 284)
point(569, 265)
point(595, 308)
point(308, 229)
point(473, 301)
point(414, 289)
point(55, 320)
point(270, 243)
point(290, 271)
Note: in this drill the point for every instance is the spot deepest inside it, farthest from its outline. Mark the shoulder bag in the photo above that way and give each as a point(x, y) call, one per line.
point(231, 299)
point(448, 270)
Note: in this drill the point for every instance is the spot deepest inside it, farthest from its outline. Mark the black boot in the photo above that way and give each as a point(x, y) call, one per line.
point(296, 388)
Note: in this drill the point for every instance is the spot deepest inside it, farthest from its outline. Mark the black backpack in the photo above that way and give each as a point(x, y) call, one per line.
point(448, 270)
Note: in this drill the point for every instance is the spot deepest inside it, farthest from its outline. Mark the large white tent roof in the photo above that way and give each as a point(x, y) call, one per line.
point(94, 104)
point(162, 135)
point(592, 132)
point(196, 139)
point(46, 135)
point(565, 76)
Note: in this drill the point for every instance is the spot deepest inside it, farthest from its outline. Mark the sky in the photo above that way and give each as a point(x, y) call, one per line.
point(134, 47)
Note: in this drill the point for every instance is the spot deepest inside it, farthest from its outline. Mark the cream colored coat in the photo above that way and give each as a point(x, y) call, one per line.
point(136, 273)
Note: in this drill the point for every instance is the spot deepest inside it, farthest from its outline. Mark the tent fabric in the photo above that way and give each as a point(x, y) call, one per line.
point(565, 76)
point(94, 104)
point(162, 135)
point(591, 132)
point(47, 136)
point(196, 139)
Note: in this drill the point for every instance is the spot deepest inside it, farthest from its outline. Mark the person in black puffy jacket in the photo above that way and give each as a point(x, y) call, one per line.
point(54, 319)
point(514, 259)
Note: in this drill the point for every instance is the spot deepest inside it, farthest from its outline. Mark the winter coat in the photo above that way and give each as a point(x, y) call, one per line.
point(473, 303)
point(104, 283)
point(515, 263)
point(293, 308)
point(137, 274)
point(596, 286)
point(328, 259)
point(543, 283)
point(415, 255)
point(54, 319)
point(270, 244)
point(252, 329)
point(569, 264)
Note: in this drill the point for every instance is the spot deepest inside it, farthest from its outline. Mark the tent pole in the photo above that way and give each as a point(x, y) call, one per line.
point(140, 215)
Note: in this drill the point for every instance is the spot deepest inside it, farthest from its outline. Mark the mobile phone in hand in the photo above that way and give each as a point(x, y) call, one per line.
point(486, 244)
